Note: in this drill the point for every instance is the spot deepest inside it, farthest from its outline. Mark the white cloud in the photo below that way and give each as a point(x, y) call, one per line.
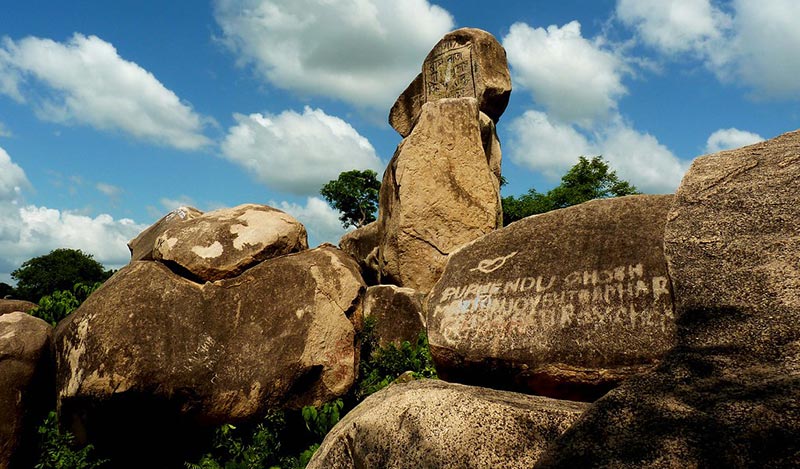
point(575, 79)
point(108, 189)
point(298, 153)
point(321, 221)
point(726, 139)
point(4, 132)
point(364, 52)
point(541, 144)
point(751, 42)
point(12, 179)
point(91, 84)
point(673, 26)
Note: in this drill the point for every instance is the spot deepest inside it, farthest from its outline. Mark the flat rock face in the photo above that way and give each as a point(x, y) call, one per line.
point(142, 246)
point(564, 304)
point(437, 194)
point(223, 243)
point(465, 63)
point(430, 423)
point(397, 313)
point(152, 355)
point(26, 386)
point(9, 306)
point(729, 394)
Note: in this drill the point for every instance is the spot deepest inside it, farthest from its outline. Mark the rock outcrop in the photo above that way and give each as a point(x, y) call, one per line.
point(142, 246)
point(430, 423)
point(728, 395)
point(465, 63)
point(564, 304)
point(396, 312)
point(362, 244)
point(26, 386)
point(10, 306)
point(223, 243)
point(152, 355)
point(437, 194)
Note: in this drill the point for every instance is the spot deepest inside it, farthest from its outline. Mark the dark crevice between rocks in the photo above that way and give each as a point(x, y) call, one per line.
point(181, 271)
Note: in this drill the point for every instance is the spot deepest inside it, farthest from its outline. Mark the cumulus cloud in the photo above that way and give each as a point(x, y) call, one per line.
point(297, 153)
point(12, 179)
point(574, 78)
point(726, 139)
point(752, 42)
point(364, 52)
point(321, 221)
point(545, 145)
point(89, 83)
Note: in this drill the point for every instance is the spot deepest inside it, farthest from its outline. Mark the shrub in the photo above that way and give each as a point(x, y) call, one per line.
point(57, 449)
point(59, 304)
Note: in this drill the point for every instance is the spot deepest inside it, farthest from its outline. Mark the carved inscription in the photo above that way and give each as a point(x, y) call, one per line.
point(449, 74)
point(623, 296)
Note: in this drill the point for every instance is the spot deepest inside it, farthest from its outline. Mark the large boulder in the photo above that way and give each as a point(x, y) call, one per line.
point(27, 390)
point(10, 306)
point(466, 62)
point(362, 244)
point(142, 246)
point(728, 395)
point(564, 304)
point(396, 314)
point(223, 243)
point(431, 423)
point(152, 358)
point(438, 193)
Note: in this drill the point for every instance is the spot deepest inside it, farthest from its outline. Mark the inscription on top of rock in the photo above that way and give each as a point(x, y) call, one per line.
point(449, 74)
point(564, 304)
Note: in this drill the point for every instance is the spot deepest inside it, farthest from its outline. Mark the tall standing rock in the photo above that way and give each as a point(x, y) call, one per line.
point(728, 395)
point(437, 194)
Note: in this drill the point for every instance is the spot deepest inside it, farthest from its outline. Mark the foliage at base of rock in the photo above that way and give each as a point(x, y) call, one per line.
point(58, 450)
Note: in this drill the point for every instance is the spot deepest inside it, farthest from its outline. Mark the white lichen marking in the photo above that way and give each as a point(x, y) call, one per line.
point(209, 252)
point(260, 228)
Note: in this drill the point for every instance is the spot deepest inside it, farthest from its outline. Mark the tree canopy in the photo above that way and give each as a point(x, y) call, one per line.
point(61, 269)
point(587, 180)
point(355, 194)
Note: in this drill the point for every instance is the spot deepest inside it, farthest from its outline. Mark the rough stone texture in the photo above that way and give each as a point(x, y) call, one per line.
point(466, 62)
point(564, 304)
point(224, 243)
point(9, 306)
point(362, 244)
point(728, 395)
point(26, 386)
point(152, 358)
point(397, 313)
point(430, 423)
point(142, 246)
point(491, 145)
point(437, 194)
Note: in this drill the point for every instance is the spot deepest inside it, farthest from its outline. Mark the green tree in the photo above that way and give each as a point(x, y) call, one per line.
point(355, 195)
point(587, 180)
point(6, 290)
point(61, 269)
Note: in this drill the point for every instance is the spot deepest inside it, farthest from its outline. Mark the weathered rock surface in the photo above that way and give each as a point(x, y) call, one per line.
point(9, 306)
point(142, 246)
point(151, 357)
point(223, 243)
point(466, 62)
point(728, 395)
point(430, 423)
point(564, 304)
point(437, 194)
point(362, 244)
point(26, 386)
point(397, 313)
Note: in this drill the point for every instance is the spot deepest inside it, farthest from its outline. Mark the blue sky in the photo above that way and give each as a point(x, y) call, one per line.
point(114, 113)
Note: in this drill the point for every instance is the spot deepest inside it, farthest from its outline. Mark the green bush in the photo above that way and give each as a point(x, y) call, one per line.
point(59, 304)
point(57, 449)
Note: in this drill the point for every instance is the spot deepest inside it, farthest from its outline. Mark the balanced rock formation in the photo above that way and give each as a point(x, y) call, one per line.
point(362, 244)
point(431, 423)
point(465, 63)
point(152, 357)
point(396, 312)
point(437, 194)
point(728, 395)
point(26, 386)
point(564, 304)
point(223, 243)
point(142, 246)
point(10, 306)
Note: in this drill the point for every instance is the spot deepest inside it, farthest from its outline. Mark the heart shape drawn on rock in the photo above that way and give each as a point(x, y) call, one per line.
point(488, 266)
